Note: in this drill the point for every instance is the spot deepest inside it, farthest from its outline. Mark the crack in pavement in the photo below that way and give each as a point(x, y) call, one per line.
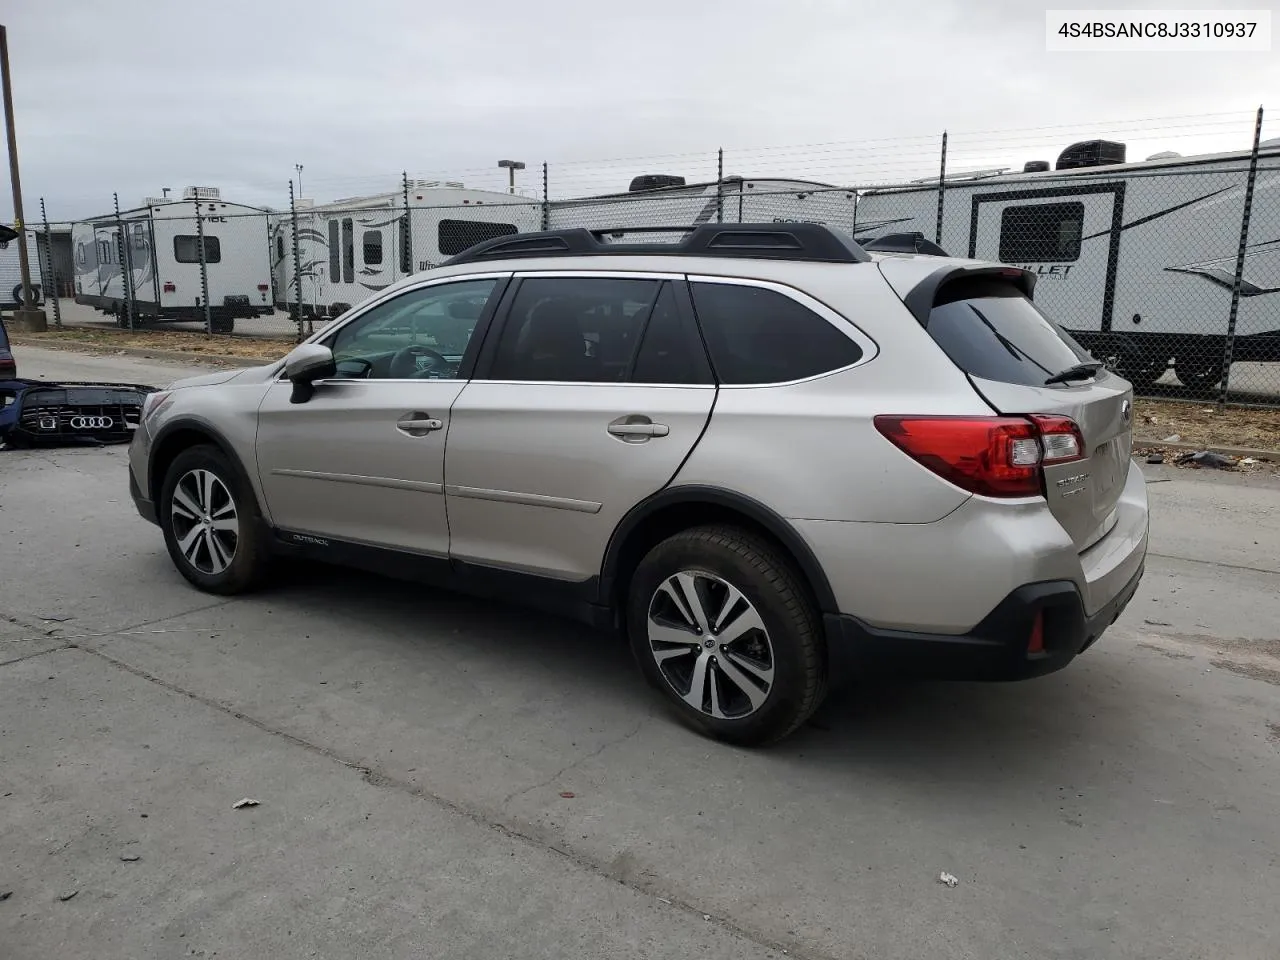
point(1215, 563)
point(132, 630)
point(38, 653)
point(581, 760)
point(510, 831)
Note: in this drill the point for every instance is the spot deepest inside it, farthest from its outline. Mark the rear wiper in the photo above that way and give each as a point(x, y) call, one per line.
point(1078, 372)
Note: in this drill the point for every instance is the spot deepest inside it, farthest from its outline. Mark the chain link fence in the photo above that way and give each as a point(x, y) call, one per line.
point(1167, 270)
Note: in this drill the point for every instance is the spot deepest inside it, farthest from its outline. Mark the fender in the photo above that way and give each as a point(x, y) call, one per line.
point(202, 426)
point(776, 525)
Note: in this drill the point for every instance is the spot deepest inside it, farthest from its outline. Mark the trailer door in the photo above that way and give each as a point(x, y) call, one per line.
point(1068, 236)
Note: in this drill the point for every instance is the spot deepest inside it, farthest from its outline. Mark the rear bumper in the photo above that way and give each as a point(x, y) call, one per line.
point(996, 649)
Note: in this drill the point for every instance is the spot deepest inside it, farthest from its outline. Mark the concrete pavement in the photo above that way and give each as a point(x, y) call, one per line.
point(440, 776)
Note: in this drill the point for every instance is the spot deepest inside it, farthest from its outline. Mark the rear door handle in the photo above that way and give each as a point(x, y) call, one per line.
point(418, 424)
point(637, 429)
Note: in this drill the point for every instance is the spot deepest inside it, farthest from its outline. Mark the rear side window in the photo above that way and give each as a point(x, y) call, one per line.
point(1041, 233)
point(756, 335)
point(583, 330)
point(992, 331)
point(186, 249)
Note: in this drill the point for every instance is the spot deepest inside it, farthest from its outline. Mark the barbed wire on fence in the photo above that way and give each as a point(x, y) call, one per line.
point(1168, 270)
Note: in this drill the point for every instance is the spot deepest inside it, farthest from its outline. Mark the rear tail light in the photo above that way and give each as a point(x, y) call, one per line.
point(170, 288)
point(263, 288)
point(991, 456)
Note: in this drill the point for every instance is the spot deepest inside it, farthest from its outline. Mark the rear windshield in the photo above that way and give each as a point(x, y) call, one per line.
point(992, 331)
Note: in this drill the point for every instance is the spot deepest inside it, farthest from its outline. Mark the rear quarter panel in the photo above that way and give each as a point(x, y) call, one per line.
point(810, 450)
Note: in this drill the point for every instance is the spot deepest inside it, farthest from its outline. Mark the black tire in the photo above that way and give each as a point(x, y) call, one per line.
point(792, 638)
point(35, 295)
point(1199, 378)
point(249, 555)
point(1137, 366)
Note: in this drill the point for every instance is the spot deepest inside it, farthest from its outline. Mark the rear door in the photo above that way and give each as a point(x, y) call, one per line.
point(1068, 236)
point(592, 394)
point(1009, 349)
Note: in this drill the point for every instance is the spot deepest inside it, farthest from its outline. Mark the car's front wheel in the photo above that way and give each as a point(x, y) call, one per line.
point(723, 626)
point(210, 525)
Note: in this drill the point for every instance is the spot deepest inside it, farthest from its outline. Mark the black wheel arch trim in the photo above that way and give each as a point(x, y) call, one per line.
point(214, 436)
point(751, 508)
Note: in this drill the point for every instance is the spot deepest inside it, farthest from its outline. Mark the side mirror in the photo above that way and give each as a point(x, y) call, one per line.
point(305, 364)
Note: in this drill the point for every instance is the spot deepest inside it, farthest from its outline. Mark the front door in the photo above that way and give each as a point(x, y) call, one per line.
point(363, 460)
point(591, 396)
point(1068, 236)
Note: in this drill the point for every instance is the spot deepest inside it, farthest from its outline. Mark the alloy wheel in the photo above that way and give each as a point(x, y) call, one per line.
point(710, 645)
point(205, 523)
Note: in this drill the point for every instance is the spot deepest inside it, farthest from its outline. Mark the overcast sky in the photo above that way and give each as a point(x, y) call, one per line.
point(133, 95)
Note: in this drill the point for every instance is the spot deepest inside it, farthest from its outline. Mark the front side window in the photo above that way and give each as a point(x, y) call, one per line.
point(756, 335)
point(579, 330)
point(419, 335)
point(371, 247)
point(186, 249)
point(458, 235)
point(1041, 232)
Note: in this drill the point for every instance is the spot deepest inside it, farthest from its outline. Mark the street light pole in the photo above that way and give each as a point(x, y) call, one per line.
point(27, 317)
point(298, 167)
point(511, 167)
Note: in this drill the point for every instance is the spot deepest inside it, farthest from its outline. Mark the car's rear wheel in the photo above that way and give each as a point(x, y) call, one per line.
point(723, 626)
point(210, 522)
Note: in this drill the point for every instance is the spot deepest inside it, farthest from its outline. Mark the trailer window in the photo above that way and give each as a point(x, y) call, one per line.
point(186, 249)
point(335, 254)
point(348, 251)
point(458, 235)
point(1041, 232)
point(371, 247)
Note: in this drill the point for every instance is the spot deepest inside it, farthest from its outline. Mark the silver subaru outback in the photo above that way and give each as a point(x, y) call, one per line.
point(770, 459)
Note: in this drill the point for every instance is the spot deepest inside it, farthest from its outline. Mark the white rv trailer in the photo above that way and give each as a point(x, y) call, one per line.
point(1137, 260)
point(658, 200)
point(11, 271)
point(156, 265)
point(350, 249)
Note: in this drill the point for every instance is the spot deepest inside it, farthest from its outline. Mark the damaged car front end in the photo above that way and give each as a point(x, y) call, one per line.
point(49, 413)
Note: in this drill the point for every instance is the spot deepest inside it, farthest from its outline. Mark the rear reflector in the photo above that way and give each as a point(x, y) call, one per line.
point(1036, 643)
point(991, 456)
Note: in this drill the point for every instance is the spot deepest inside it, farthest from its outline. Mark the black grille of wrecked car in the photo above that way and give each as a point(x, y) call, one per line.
point(53, 414)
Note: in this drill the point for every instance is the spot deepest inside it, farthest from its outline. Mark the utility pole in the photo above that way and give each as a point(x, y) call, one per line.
point(26, 317)
point(298, 167)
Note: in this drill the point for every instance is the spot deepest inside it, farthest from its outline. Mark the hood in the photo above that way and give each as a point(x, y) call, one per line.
point(245, 374)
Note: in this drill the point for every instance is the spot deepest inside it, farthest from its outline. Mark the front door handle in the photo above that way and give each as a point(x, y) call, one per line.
point(418, 424)
point(636, 429)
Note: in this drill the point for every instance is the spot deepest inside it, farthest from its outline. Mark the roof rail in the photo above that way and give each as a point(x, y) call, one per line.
point(810, 242)
point(914, 242)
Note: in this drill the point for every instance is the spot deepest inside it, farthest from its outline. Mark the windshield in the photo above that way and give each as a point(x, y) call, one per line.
point(996, 333)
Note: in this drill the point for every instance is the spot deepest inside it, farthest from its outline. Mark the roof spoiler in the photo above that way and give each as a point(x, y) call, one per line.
point(920, 299)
